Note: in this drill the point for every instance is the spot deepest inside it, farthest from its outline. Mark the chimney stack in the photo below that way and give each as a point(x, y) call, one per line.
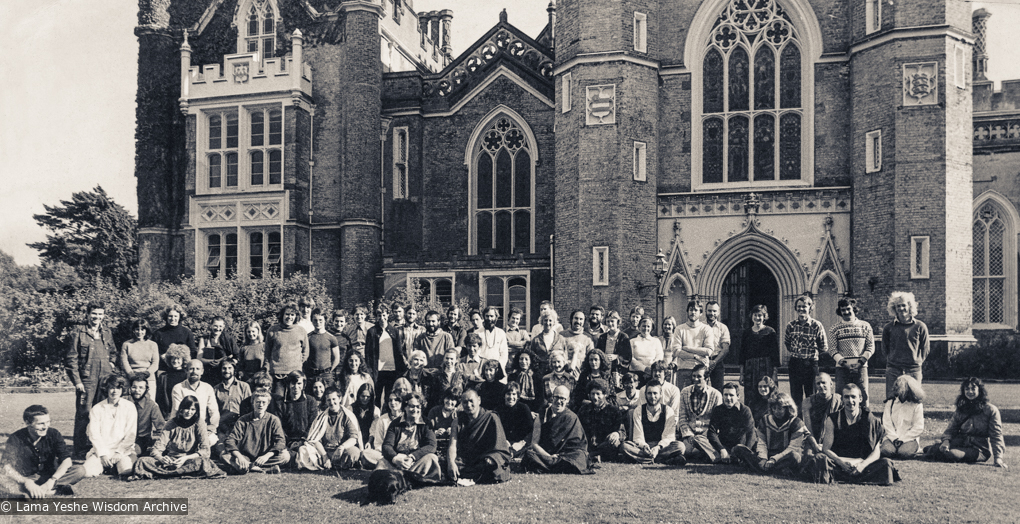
point(979, 26)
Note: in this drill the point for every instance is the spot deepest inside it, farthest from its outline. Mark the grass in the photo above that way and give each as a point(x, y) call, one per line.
point(617, 493)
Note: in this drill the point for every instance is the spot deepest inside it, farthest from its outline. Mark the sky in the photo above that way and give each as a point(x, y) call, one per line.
point(67, 95)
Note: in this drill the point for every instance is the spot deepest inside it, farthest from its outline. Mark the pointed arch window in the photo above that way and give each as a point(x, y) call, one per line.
point(259, 29)
point(503, 187)
point(751, 98)
point(994, 267)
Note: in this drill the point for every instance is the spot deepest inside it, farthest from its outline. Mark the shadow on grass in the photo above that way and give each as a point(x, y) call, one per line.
point(354, 496)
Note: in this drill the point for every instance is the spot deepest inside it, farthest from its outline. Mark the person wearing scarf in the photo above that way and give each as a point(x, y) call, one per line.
point(409, 444)
point(780, 438)
point(182, 449)
point(334, 440)
point(523, 374)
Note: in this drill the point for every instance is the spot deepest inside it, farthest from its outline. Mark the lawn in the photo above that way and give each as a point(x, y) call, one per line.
point(617, 493)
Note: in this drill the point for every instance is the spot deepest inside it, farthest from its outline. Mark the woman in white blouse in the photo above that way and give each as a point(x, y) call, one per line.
point(903, 419)
point(644, 348)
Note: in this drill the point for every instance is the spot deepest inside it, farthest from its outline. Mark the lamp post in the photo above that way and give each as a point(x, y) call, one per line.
point(659, 268)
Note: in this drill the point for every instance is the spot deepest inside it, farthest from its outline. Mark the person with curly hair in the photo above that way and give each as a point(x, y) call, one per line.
point(904, 340)
point(594, 366)
point(352, 375)
point(975, 432)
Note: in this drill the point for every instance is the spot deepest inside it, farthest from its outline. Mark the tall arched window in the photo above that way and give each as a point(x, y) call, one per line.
point(503, 190)
point(753, 110)
point(990, 265)
point(259, 29)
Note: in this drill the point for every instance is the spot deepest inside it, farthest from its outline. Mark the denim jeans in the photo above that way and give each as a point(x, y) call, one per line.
point(802, 379)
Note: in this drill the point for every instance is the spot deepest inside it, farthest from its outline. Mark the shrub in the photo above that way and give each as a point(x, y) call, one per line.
point(995, 356)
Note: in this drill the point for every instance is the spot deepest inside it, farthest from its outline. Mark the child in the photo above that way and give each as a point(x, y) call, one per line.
point(251, 356)
point(140, 354)
point(561, 375)
point(759, 403)
point(523, 373)
point(492, 390)
point(37, 462)
point(471, 365)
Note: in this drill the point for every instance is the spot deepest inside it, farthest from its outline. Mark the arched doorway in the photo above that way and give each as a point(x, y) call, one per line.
point(748, 284)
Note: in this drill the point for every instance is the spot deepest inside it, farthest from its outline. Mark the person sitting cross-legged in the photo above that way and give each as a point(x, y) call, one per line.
point(602, 421)
point(903, 419)
point(975, 432)
point(478, 451)
point(731, 424)
point(257, 442)
point(36, 461)
point(519, 424)
point(652, 431)
point(851, 441)
point(562, 446)
point(409, 444)
point(696, 404)
point(780, 438)
point(150, 420)
point(334, 440)
point(113, 424)
point(182, 449)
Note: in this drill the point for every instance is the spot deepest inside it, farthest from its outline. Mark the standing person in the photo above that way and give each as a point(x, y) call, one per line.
point(357, 332)
point(975, 432)
point(561, 446)
point(670, 350)
point(494, 342)
point(851, 441)
point(352, 375)
point(804, 339)
point(731, 424)
point(382, 352)
point(251, 356)
point(759, 357)
point(595, 328)
point(543, 308)
point(454, 327)
point(477, 322)
point(634, 329)
point(173, 332)
point(409, 330)
point(323, 351)
point(150, 420)
point(286, 347)
point(575, 343)
point(36, 462)
point(721, 348)
point(904, 340)
point(516, 336)
point(433, 341)
point(87, 362)
point(305, 306)
point(694, 344)
point(616, 345)
point(208, 408)
point(113, 424)
point(903, 419)
point(338, 328)
point(139, 354)
point(230, 393)
point(851, 344)
point(218, 345)
point(546, 340)
point(479, 451)
point(644, 349)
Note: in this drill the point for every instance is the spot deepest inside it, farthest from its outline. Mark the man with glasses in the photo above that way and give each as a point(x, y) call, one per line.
point(852, 342)
point(562, 444)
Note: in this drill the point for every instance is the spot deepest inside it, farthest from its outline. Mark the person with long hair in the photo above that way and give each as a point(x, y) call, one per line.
point(364, 409)
point(174, 332)
point(759, 358)
point(113, 424)
point(492, 389)
point(182, 449)
point(448, 376)
point(352, 376)
point(975, 432)
point(252, 355)
point(760, 403)
point(416, 373)
point(594, 366)
point(522, 372)
point(644, 348)
point(216, 346)
point(334, 440)
point(140, 354)
point(286, 348)
point(175, 357)
point(377, 433)
point(903, 418)
point(780, 438)
point(409, 444)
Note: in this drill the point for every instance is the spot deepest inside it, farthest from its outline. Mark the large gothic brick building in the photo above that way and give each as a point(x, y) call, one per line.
point(764, 148)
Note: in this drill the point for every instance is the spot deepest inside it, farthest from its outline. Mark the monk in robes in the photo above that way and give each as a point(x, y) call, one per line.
point(562, 446)
point(479, 451)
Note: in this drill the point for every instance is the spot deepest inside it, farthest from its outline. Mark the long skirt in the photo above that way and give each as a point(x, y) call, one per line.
point(426, 467)
point(199, 468)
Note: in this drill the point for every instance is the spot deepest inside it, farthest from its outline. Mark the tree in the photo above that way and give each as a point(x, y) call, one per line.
point(92, 234)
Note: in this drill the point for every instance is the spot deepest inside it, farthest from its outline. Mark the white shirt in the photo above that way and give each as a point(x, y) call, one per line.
point(112, 427)
point(208, 408)
point(699, 336)
point(495, 347)
point(903, 421)
point(386, 362)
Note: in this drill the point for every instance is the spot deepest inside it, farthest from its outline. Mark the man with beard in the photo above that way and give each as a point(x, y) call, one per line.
point(150, 419)
point(731, 425)
point(87, 362)
point(230, 393)
point(696, 404)
point(652, 429)
point(716, 367)
point(433, 341)
point(208, 409)
point(595, 328)
point(602, 422)
point(479, 451)
point(851, 441)
point(494, 342)
point(562, 446)
point(574, 342)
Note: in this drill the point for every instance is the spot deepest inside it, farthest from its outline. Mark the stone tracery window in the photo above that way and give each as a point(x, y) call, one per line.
point(989, 265)
point(260, 29)
point(503, 199)
point(751, 96)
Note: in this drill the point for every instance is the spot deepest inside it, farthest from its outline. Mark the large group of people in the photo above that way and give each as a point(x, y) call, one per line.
point(445, 402)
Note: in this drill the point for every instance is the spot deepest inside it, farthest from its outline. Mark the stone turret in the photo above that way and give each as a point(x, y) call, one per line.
point(980, 29)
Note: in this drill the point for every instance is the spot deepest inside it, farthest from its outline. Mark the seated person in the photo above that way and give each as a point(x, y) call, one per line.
point(731, 424)
point(182, 449)
point(36, 462)
point(851, 441)
point(595, 366)
point(602, 421)
point(670, 393)
point(780, 437)
point(817, 409)
point(317, 389)
point(562, 446)
point(372, 453)
point(630, 397)
point(230, 393)
point(903, 419)
point(523, 373)
point(975, 432)
point(471, 363)
point(113, 424)
point(559, 375)
point(150, 420)
point(440, 421)
point(257, 442)
point(448, 376)
point(478, 449)
point(652, 428)
point(416, 373)
point(759, 403)
point(519, 424)
point(491, 389)
point(260, 380)
point(410, 445)
point(365, 410)
point(295, 409)
point(334, 440)
point(351, 375)
point(175, 357)
point(696, 404)
point(208, 409)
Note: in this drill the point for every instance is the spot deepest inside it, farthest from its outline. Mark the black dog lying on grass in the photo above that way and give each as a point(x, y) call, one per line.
point(386, 485)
